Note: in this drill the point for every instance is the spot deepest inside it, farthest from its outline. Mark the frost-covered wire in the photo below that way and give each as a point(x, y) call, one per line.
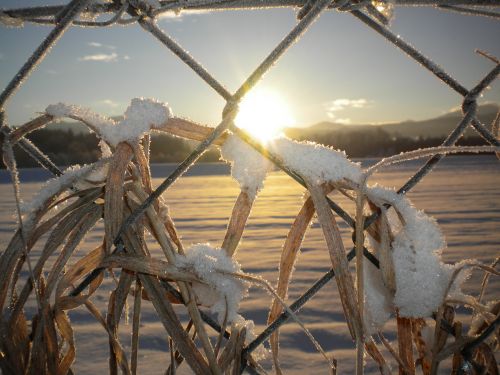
point(471, 11)
point(310, 10)
point(11, 165)
point(67, 16)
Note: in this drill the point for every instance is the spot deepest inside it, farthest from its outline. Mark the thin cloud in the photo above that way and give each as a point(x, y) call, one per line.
point(341, 104)
point(2, 56)
point(110, 103)
point(338, 105)
point(100, 57)
point(100, 45)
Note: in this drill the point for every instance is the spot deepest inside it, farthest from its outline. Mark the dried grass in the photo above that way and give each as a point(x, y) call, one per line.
point(45, 343)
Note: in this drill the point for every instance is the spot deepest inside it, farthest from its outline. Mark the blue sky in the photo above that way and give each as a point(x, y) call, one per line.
point(339, 71)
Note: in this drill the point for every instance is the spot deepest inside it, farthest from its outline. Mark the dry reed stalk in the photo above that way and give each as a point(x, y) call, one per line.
point(148, 266)
point(261, 282)
point(359, 246)
point(405, 347)
point(485, 358)
point(74, 273)
point(289, 253)
point(116, 304)
point(66, 331)
point(227, 355)
point(372, 350)
point(335, 245)
point(391, 350)
point(178, 358)
point(457, 357)
point(56, 238)
point(113, 196)
point(423, 358)
point(445, 313)
point(166, 313)
point(73, 240)
point(12, 256)
point(117, 348)
point(486, 277)
point(237, 222)
point(187, 129)
point(185, 289)
point(142, 163)
point(495, 129)
point(28, 127)
point(380, 230)
point(222, 331)
point(240, 342)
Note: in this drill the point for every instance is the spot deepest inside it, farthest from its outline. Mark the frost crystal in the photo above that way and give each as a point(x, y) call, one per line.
point(248, 167)
point(218, 289)
point(141, 116)
point(421, 277)
point(316, 163)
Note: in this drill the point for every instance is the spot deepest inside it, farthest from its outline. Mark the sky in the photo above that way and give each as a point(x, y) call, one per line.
point(340, 70)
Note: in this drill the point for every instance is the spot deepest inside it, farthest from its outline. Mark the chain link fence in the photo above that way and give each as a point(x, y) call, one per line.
point(374, 14)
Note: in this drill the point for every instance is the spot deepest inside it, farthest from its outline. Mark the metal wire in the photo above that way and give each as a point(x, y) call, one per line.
point(143, 14)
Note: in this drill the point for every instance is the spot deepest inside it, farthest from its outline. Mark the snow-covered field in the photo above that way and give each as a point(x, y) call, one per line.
point(462, 194)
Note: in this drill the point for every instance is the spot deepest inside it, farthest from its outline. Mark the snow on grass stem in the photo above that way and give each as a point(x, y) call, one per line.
point(141, 116)
point(54, 186)
point(421, 277)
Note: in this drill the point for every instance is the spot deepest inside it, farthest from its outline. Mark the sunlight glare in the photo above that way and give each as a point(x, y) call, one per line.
point(264, 114)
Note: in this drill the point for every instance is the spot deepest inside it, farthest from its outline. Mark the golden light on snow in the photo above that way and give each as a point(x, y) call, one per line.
point(264, 114)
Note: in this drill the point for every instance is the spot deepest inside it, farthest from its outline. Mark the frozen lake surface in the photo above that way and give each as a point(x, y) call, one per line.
point(462, 194)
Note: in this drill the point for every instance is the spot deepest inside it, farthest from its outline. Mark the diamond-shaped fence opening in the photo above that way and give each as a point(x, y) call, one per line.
point(117, 190)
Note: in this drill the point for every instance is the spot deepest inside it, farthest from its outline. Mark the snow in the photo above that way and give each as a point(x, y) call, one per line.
point(378, 304)
point(316, 163)
point(141, 116)
point(68, 178)
point(248, 167)
point(220, 292)
point(219, 289)
point(421, 277)
point(471, 229)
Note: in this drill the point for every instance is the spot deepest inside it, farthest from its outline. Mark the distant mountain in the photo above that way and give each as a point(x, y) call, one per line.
point(431, 128)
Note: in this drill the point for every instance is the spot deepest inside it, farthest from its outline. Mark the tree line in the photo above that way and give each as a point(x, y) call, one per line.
point(65, 147)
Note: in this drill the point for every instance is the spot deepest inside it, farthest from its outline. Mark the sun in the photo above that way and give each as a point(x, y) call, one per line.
point(264, 114)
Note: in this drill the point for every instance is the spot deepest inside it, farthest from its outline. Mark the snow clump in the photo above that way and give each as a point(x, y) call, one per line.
point(141, 116)
point(218, 288)
point(248, 167)
point(421, 277)
point(316, 163)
